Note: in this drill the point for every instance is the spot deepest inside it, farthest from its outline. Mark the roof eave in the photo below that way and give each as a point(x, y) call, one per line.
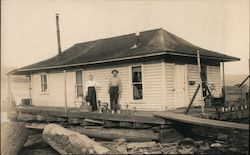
point(221, 59)
point(19, 71)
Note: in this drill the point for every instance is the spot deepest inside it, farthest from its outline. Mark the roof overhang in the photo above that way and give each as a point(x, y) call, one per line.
point(26, 71)
point(19, 71)
point(221, 59)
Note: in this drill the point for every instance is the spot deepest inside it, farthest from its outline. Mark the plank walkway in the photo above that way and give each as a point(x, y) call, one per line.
point(170, 116)
point(141, 117)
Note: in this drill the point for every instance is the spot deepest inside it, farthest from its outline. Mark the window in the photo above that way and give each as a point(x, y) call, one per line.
point(79, 87)
point(44, 82)
point(137, 83)
point(204, 79)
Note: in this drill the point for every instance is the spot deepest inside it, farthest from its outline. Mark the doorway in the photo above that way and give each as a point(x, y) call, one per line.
point(180, 87)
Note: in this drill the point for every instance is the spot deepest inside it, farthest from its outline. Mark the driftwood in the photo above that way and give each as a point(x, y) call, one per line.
point(69, 142)
point(93, 121)
point(13, 137)
point(112, 134)
point(140, 144)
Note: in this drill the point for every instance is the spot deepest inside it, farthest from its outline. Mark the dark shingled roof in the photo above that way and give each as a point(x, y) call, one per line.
point(152, 42)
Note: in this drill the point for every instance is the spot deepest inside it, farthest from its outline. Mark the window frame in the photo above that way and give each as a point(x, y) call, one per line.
point(43, 92)
point(79, 98)
point(140, 101)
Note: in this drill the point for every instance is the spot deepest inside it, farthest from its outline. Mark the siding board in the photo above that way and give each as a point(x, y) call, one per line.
point(169, 69)
point(193, 75)
point(213, 78)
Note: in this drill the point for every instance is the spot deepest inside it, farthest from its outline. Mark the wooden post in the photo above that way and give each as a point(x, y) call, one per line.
point(192, 100)
point(65, 91)
point(164, 82)
point(223, 75)
point(30, 88)
point(200, 80)
point(9, 89)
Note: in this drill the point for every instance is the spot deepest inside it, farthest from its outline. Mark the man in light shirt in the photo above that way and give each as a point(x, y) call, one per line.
point(90, 91)
point(115, 86)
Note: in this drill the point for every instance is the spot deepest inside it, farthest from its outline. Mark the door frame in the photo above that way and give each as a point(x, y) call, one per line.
point(186, 91)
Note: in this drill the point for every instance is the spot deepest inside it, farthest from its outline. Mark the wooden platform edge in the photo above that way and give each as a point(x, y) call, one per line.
point(97, 116)
point(201, 121)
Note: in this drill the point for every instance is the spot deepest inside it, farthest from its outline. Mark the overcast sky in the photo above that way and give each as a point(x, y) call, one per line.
point(29, 28)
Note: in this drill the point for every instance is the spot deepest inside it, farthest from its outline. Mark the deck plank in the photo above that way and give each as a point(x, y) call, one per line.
point(201, 121)
point(75, 113)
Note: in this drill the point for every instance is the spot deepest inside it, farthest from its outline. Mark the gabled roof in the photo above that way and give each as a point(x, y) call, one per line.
point(151, 43)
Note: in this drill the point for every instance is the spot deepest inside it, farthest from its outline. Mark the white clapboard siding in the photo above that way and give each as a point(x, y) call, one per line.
point(169, 84)
point(102, 76)
point(55, 94)
point(153, 89)
point(70, 80)
point(213, 79)
point(193, 75)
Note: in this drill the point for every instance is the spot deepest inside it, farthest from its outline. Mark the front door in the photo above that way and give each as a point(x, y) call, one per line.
point(180, 86)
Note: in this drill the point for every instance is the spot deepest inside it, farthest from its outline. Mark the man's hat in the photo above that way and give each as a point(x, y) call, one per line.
point(115, 71)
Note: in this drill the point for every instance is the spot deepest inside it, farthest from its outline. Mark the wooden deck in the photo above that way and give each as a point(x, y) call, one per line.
point(140, 117)
point(126, 116)
point(202, 121)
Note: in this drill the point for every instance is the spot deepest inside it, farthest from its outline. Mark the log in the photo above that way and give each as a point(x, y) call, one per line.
point(140, 145)
point(38, 126)
point(170, 135)
point(142, 125)
point(125, 124)
point(12, 115)
point(110, 124)
point(11, 133)
point(27, 117)
point(112, 134)
point(93, 121)
point(69, 142)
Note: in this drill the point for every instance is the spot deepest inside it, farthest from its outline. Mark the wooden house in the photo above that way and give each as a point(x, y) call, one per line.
point(158, 71)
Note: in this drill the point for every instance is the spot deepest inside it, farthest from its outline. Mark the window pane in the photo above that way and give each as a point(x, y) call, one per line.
point(45, 78)
point(79, 77)
point(137, 91)
point(45, 87)
point(136, 74)
point(42, 88)
point(79, 91)
point(41, 79)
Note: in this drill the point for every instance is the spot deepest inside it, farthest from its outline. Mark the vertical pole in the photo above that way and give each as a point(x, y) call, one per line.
point(200, 80)
point(65, 92)
point(164, 83)
point(30, 88)
point(58, 35)
point(9, 88)
point(223, 80)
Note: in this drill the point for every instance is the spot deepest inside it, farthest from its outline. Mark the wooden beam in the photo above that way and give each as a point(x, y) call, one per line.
point(192, 100)
point(92, 115)
point(9, 89)
point(112, 134)
point(30, 88)
point(201, 121)
point(200, 80)
point(65, 92)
